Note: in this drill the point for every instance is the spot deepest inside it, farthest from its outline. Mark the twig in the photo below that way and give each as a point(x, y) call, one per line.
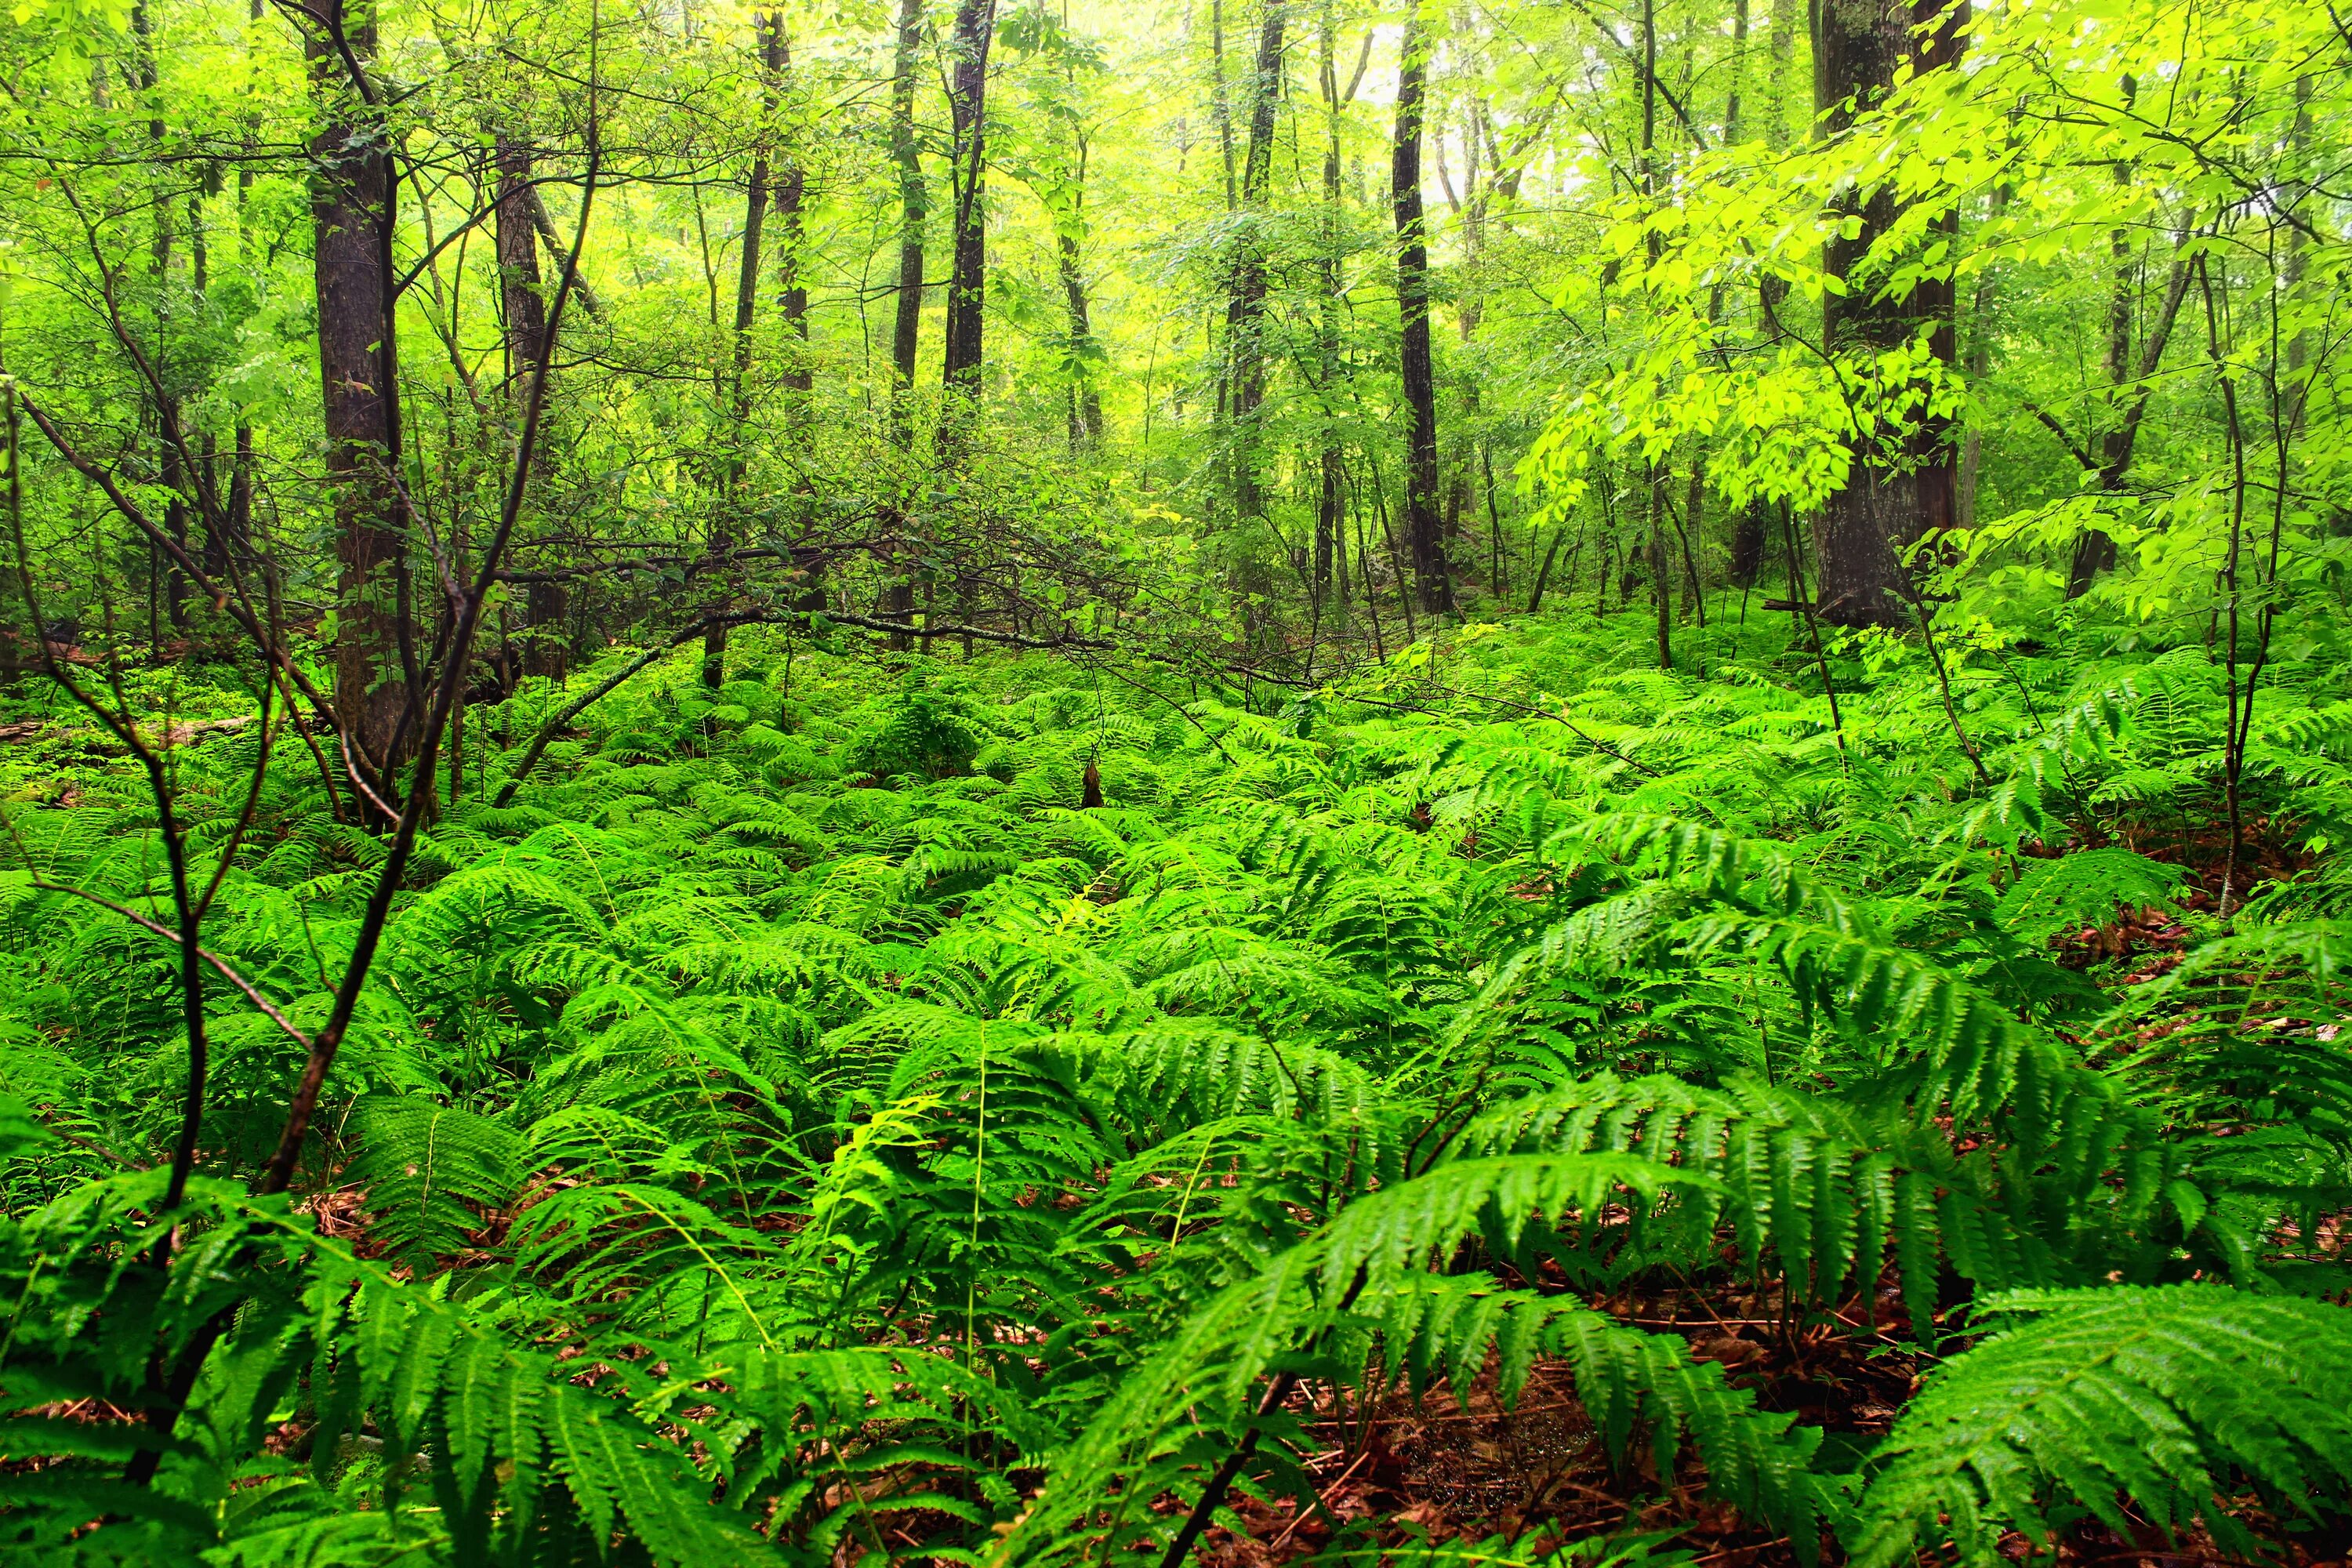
point(251, 994)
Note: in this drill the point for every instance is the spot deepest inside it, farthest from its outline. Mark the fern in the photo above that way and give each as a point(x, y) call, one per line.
point(797, 1126)
point(2082, 1400)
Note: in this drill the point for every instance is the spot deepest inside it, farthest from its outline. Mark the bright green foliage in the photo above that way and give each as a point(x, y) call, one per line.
point(2086, 1399)
point(851, 952)
point(758, 1144)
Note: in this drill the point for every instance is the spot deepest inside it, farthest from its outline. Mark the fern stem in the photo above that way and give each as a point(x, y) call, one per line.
point(1222, 1479)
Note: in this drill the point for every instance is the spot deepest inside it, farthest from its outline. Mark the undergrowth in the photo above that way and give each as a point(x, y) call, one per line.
point(794, 1125)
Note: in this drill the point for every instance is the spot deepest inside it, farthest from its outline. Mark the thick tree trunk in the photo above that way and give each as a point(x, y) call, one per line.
point(770, 28)
point(519, 277)
point(975, 24)
point(1422, 524)
point(352, 198)
point(1892, 497)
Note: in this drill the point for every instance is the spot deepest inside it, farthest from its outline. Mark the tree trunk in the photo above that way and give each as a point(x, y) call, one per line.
point(145, 76)
point(1220, 106)
point(517, 249)
point(2095, 551)
point(1085, 397)
point(1901, 489)
point(1246, 313)
point(791, 191)
point(1662, 583)
point(546, 645)
point(1330, 538)
point(240, 478)
point(975, 24)
point(352, 197)
point(1422, 524)
point(907, 329)
point(770, 28)
point(791, 236)
point(1748, 545)
point(914, 212)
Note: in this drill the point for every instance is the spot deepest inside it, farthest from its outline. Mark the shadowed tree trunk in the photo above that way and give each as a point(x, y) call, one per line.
point(1661, 581)
point(1901, 490)
point(2095, 551)
point(352, 194)
point(1330, 512)
point(145, 76)
point(1422, 524)
point(547, 649)
point(792, 239)
point(914, 212)
point(769, 25)
point(1245, 311)
point(975, 24)
point(1085, 397)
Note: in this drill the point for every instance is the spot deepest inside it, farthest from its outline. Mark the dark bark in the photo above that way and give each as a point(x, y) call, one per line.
point(1085, 397)
point(1422, 524)
point(238, 525)
point(1543, 572)
point(547, 644)
point(1331, 537)
point(914, 209)
point(1331, 565)
point(164, 577)
point(976, 27)
point(517, 249)
point(1220, 104)
point(770, 28)
point(2095, 551)
point(906, 329)
point(1748, 545)
point(1901, 488)
point(1245, 311)
point(791, 288)
point(352, 195)
point(1661, 584)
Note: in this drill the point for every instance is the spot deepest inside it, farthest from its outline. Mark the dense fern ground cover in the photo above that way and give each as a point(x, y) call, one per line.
point(794, 1125)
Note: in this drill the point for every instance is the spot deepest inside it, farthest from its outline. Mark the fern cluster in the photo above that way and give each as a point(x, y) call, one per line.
point(792, 1125)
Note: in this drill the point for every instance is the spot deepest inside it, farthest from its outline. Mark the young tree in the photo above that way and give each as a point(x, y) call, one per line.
point(906, 159)
point(767, 32)
point(1245, 313)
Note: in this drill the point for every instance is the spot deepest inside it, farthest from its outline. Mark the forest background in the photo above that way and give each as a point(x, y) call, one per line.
point(974, 780)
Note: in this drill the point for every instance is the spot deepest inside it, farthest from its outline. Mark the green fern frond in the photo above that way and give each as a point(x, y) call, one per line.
point(2083, 1400)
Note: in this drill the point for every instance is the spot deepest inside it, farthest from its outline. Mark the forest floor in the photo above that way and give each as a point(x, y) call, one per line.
point(1437, 1466)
